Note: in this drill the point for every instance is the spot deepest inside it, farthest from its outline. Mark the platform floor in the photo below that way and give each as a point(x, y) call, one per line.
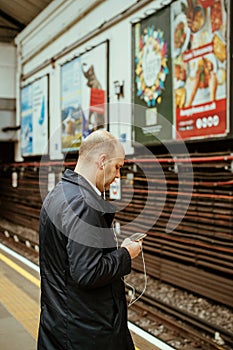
point(13, 335)
point(19, 307)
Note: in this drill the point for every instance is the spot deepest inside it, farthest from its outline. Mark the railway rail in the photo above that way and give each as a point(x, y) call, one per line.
point(180, 328)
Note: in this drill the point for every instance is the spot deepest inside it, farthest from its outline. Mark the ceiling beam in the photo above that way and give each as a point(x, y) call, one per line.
point(8, 27)
point(12, 20)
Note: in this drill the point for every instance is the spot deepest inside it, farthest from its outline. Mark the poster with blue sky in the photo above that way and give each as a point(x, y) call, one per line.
point(83, 96)
point(34, 118)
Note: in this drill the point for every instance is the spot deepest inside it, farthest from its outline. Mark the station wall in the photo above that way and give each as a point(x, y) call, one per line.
point(7, 91)
point(69, 29)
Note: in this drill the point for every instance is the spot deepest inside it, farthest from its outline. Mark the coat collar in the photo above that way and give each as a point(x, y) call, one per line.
point(75, 178)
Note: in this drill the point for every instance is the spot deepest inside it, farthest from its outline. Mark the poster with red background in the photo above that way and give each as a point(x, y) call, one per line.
point(199, 58)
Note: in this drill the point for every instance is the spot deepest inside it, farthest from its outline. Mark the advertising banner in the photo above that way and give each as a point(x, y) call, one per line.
point(83, 96)
point(34, 118)
point(152, 78)
point(199, 56)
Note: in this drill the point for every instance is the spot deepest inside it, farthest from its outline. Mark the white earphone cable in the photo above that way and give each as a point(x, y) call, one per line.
point(132, 300)
point(104, 194)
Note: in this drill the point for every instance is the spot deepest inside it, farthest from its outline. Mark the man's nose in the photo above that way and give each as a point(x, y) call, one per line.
point(118, 173)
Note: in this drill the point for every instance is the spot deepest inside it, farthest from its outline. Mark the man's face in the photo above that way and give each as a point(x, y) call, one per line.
point(112, 164)
point(112, 170)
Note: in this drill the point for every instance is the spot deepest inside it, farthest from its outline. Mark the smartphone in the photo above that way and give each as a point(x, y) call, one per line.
point(137, 236)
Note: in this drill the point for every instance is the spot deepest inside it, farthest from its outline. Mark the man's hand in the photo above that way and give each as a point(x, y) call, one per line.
point(133, 248)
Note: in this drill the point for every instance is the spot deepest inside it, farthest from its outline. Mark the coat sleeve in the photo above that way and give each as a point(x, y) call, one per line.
point(93, 258)
point(90, 267)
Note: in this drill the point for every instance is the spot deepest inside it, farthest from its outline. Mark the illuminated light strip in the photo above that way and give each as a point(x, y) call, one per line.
point(148, 337)
point(20, 258)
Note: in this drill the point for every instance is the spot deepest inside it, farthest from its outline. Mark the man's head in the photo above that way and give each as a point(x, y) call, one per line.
point(101, 156)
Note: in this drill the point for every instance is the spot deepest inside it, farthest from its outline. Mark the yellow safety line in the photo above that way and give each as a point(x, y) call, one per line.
point(19, 269)
point(20, 305)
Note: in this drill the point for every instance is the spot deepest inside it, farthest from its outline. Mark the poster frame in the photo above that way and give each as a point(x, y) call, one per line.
point(165, 81)
point(228, 130)
point(68, 150)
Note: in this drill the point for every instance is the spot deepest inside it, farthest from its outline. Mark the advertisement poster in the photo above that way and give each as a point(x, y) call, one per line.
point(152, 79)
point(83, 96)
point(34, 118)
point(115, 189)
point(199, 55)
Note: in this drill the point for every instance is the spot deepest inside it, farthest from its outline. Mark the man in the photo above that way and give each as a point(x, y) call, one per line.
point(83, 304)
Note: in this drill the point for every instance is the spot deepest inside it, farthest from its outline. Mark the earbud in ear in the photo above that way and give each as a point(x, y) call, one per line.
point(102, 164)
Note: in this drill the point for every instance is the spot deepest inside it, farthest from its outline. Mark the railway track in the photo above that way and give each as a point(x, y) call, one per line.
point(181, 329)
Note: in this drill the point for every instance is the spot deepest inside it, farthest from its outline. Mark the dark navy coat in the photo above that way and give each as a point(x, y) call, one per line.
point(83, 304)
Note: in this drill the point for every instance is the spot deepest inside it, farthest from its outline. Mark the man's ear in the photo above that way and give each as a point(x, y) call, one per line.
point(102, 160)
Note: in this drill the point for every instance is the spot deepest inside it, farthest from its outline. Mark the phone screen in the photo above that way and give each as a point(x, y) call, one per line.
point(137, 236)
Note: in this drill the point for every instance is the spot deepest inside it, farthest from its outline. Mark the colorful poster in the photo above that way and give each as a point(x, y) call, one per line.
point(83, 96)
point(152, 79)
point(199, 30)
point(34, 118)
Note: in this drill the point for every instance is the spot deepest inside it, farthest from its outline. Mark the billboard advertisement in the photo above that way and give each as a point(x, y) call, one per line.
point(180, 72)
point(152, 78)
point(83, 96)
point(199, 56)
point(34, 118)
